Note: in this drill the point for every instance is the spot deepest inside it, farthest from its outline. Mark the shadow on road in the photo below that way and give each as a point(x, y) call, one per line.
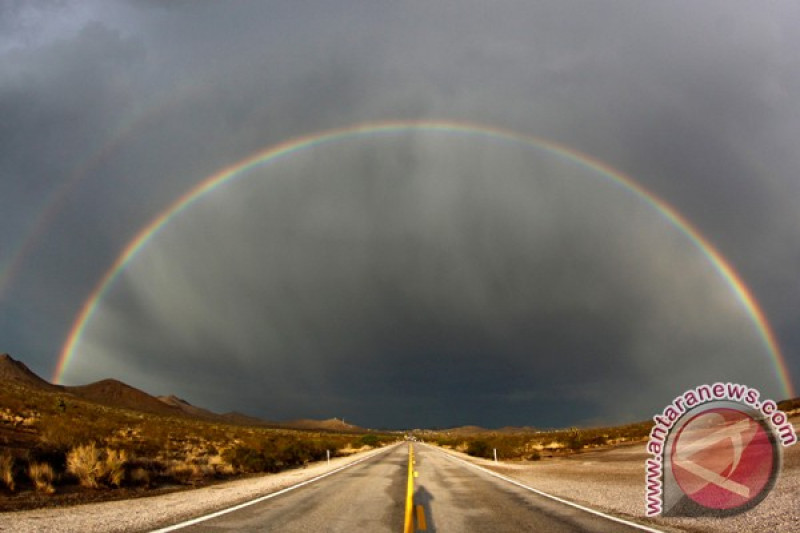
point(424, 498)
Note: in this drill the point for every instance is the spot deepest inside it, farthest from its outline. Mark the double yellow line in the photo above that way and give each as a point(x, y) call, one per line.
point(409, 521)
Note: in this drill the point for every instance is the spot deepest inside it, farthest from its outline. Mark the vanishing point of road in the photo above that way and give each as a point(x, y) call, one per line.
point(449, 495)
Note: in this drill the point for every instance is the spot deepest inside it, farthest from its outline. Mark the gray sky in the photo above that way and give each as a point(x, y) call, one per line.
point(419, 278)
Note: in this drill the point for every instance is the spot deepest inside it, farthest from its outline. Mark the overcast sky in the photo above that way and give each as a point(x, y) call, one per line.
point(421, 278)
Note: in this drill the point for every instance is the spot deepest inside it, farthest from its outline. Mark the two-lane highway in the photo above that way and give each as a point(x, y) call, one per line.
point(371, 496)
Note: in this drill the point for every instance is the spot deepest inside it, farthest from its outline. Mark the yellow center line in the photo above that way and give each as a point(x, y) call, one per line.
point(409, 520)
point(421, 524)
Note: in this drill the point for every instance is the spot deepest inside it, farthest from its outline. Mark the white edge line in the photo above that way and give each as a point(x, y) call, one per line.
point(552, 497)
point(260, 499)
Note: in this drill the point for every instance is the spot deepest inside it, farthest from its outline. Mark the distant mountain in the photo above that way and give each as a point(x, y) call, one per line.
point(517, 429)
point(331, 424)
point(15, 371)
point(465, 430)
point(114, 393)
point(189, 409)
point(247, 420)
point(117, 394)
point(475, 430)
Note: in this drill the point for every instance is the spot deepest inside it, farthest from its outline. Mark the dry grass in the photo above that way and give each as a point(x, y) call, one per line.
point(7, 471)
point(114, 466)
point(84, 462)
point(42, 476)
point(93, 466)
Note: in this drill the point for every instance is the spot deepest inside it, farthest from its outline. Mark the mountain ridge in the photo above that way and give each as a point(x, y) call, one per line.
point(17, 371)
point(112, 392)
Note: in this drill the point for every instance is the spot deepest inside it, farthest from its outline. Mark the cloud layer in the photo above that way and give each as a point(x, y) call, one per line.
point(412, 279)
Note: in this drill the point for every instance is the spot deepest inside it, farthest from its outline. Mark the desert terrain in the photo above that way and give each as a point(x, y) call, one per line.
point(107, 456)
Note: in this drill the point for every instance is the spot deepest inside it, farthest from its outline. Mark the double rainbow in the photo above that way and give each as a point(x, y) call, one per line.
point(287, 148)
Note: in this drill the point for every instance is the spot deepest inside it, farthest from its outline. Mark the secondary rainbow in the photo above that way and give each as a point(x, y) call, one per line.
point(58, 198)
point(723, 267)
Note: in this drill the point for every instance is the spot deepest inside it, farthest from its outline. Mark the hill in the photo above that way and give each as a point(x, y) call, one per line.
point(189, 409)
point(331, 424)
point(462, 430)
point(13, 371)
point(246, 420)
point(114, 393)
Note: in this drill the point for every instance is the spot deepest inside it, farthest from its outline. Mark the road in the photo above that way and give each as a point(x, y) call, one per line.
point(371, 496)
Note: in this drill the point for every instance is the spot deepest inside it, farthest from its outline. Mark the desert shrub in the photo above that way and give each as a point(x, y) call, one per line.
point(535, 455)
point(93, 466)
point(508, 447)
point(575, 440)
point(295, 453)
point(480, 448)
point(7, 470)
point(113, 467)
point(298, 452)
point(42, 476)
point(139, 477)
point(447, 441)
point(85, 463)
point(597, 440)
point(57, 459)
point(218, 466)
point(182, 473)
point(143, 471)
point(369, 440)
point(247, 459)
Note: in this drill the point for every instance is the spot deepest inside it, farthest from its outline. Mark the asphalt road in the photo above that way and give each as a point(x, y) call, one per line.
point(371, 497)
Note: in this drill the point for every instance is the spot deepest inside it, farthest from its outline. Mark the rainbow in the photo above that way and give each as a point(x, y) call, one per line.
point(289, 147)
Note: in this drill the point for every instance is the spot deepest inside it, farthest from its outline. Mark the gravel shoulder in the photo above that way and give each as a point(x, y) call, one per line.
point(146, 514)
point(613, 481)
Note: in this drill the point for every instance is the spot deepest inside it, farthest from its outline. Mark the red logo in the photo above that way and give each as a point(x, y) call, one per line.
point(723, 459)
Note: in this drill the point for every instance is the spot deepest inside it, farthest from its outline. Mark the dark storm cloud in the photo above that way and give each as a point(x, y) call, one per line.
point(426, 280)
point(57, 104)
point(502, 294)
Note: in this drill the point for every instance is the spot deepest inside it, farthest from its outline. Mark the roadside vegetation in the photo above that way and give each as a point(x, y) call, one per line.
point(533, 445)
point(55, 444)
